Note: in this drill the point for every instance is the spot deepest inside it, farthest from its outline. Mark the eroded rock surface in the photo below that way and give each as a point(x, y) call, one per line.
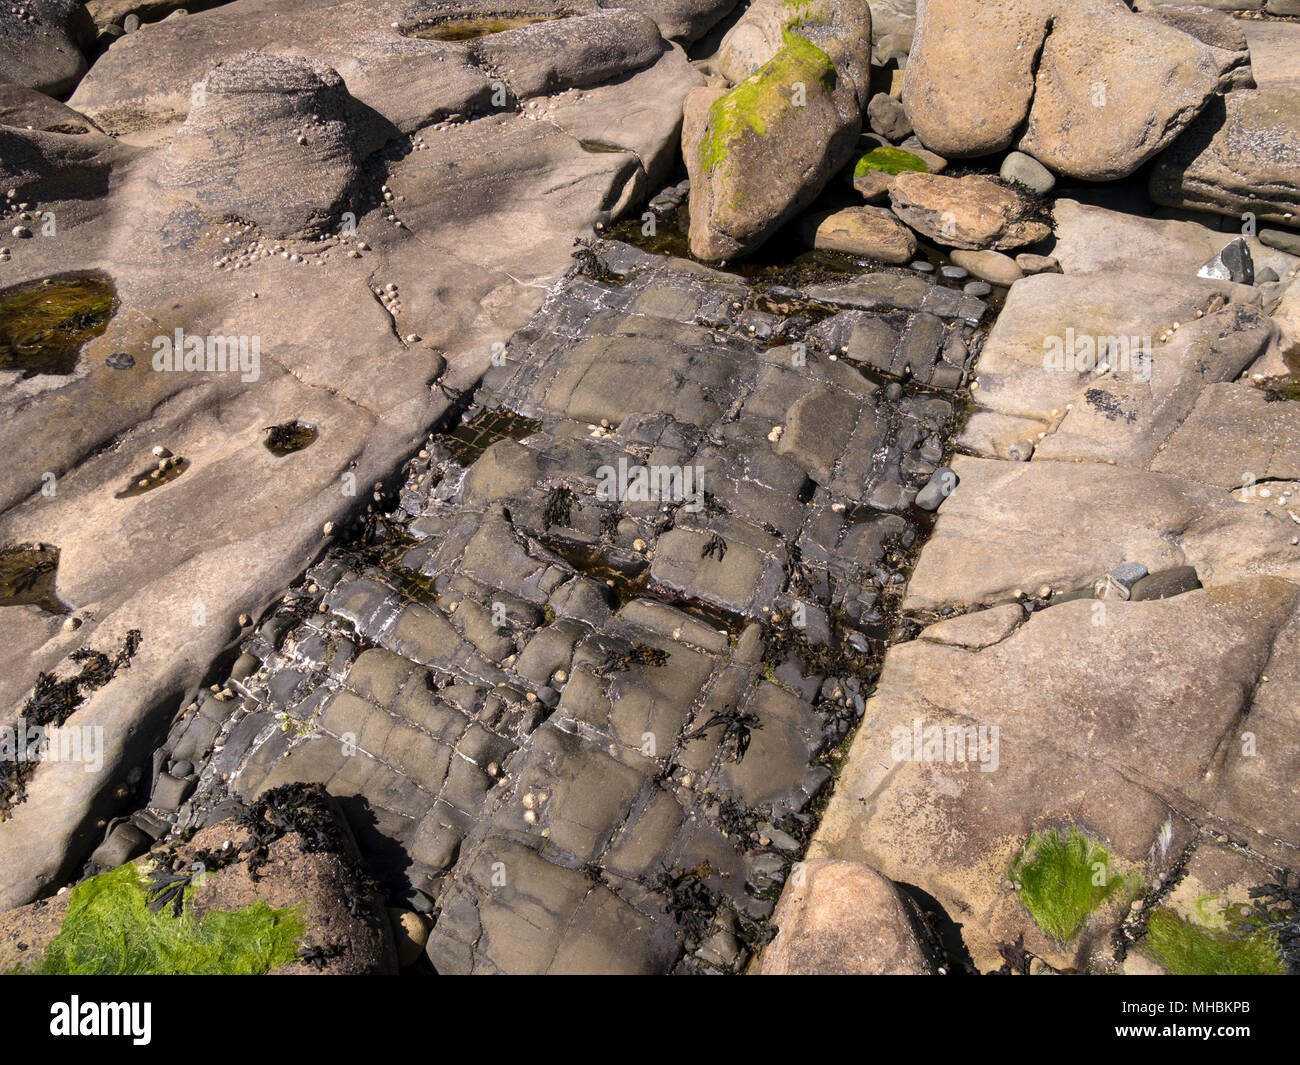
point(591, 727)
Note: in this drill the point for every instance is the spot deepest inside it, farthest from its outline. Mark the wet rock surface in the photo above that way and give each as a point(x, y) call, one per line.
point(592, 727)
point(588, 578)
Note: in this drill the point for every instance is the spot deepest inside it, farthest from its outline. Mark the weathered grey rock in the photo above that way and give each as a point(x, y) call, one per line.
point(1236, 438)
point(968, 212)
point(1028, 171)
point(982, 628)
point(641, 113)
point(567, 53)
point(1166, 583)
point(1239, 156)
point(938, 488)
point(869, 231)
point(888, 118)
point(843, 918)
point(683, 21)
point(1058, 329)
point(142, 87)
point(1119, 582)
point(123, 843)
point(761, 153)
point(273, 141)
point(41, 44)
point(1115, 515)
point(952, 825)
point(1093, 239)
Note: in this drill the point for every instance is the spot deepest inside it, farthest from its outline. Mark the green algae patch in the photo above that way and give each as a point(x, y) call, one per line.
point(1063, 878)
point(754, 104)
point(888, 161)
point(44, 324)
point(111, 930)
point(1187, 949)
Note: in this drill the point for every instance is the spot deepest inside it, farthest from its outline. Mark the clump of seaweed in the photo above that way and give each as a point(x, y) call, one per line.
point(737, 727)
point(114, 927)
point(1276, 911)
point(639, 654)
point(53, 700)
point(1063, 877)
point(1188, 949)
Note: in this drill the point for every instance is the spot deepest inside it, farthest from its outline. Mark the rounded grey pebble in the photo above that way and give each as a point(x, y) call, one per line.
point(954, 273)
point(977, 288)
point(936, 489)
point(131, 23)
point(923, 267)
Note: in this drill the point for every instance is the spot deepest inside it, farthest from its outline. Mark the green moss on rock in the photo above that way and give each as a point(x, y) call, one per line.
point(888, 161)
point(754, 104)
point(110, 929)
point(1188, 949)
point(1063, 878)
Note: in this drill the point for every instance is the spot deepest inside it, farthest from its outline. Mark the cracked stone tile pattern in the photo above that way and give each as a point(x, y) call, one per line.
point(594, 729)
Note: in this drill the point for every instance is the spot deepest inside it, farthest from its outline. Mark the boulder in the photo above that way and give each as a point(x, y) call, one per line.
point(42, 44)
point(753, 41)
point(271, 140)
point(1113, 89)
point(1144, 82)
point(874, 171)
point(760, 153)
point(960, 50)
point(1240, 156)
point(872, 232)
point(844, 919)
point(972, 212)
